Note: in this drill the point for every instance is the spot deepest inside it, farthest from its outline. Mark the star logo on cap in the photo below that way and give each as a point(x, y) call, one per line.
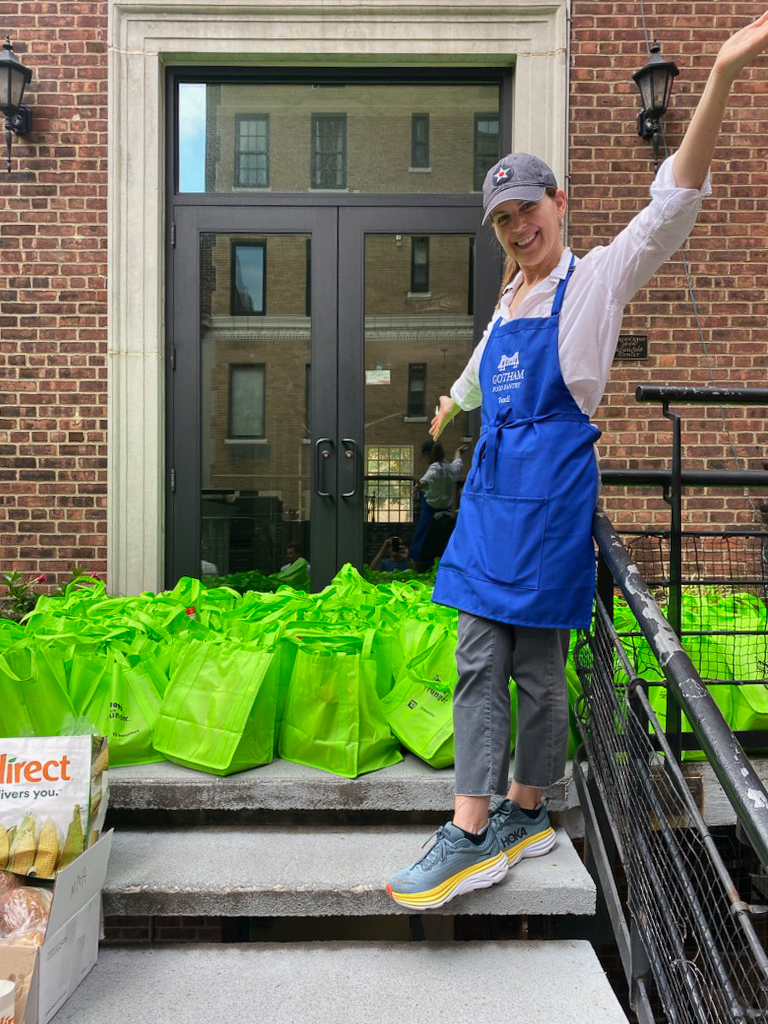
point(503, 174)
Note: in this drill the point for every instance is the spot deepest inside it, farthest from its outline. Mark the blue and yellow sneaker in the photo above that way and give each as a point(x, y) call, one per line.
point(519, 835)
point(451, 867)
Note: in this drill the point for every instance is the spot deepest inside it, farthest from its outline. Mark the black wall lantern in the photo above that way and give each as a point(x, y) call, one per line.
point(14, 78)
point(655, 84)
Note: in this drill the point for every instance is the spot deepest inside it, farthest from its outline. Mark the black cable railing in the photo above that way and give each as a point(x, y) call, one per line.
point(691, 938)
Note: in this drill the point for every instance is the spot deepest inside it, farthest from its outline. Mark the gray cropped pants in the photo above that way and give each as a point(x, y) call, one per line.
point(488, 653)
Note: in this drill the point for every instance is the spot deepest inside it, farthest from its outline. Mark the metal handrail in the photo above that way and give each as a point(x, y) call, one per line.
point(727, 758)
point(701, 396)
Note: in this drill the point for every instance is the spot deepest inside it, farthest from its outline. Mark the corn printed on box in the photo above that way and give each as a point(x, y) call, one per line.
point(53, 800)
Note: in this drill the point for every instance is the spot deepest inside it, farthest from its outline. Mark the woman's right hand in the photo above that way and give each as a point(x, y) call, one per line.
point(444, 413)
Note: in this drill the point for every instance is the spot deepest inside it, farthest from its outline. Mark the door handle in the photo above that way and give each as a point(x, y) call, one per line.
point(351, 452)
point(320, 457)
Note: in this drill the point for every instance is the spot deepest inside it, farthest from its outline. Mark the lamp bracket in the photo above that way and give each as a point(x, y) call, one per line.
point(647, 126)
point(20, 123)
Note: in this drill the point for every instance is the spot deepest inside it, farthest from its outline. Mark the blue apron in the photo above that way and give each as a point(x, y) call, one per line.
point(522, 549)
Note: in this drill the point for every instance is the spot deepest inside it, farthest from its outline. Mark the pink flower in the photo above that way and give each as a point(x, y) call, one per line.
point(40, 578)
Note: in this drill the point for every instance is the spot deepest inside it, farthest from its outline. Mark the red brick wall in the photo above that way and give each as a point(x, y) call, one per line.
point(611, 169)
point(53, 295)
point(53, 209)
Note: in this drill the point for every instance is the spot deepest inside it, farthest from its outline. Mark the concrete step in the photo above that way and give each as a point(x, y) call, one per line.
point(283, 786)
point(263, 871)
point(361, 983)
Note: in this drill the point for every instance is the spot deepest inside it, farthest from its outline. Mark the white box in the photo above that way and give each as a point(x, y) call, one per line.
point(47, 975)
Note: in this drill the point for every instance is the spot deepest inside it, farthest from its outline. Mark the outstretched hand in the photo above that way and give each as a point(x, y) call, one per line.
point(742, 48)
point(695, 154)
point(444, 413)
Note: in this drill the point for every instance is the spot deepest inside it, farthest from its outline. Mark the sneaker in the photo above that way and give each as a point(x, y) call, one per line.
point(450, 868)
point(519, 835)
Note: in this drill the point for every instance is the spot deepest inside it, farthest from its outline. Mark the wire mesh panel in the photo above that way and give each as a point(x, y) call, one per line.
point(707, 963)
point(724, 578)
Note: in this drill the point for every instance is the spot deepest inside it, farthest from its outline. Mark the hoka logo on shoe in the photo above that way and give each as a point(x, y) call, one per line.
point(506, 361)
point(519, 833)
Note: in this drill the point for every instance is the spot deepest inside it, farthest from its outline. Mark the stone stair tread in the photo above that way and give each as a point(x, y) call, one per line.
point(283, 786)
point(262, 871)
point(364, 983)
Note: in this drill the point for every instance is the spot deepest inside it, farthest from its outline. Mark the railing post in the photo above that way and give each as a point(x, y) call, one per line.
point(675, 602)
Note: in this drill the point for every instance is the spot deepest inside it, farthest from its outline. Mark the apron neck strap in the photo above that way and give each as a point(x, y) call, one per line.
point(560, 293)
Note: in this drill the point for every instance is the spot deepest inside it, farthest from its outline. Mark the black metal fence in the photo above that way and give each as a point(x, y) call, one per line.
point(686, 934)
point(677, 654)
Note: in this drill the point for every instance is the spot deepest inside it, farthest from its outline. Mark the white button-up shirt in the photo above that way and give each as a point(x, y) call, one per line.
point(602, 284)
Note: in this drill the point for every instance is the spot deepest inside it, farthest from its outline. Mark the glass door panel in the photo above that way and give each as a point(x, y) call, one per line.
point(407, 327)
point(255, 343)
point(418, 337)
point(253, 394)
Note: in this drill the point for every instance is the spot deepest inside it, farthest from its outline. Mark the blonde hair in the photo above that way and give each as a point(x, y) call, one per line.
point(510, 267)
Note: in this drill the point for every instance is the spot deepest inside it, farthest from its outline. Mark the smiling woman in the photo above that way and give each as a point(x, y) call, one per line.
point(520, 564)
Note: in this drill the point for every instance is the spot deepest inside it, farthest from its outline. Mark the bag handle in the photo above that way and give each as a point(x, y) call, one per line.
point(368, 637)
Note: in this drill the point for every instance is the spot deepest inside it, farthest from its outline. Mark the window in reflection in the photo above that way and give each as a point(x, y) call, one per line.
point(419, 141)
point(417, 389)
point(246, 400)
point(329, 150)
point(419, 265)
point(252, 150)
point(249, 278)
point(486, 146)
point(389, 476)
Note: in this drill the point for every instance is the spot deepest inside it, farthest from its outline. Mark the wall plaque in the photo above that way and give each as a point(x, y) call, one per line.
point(632, 346)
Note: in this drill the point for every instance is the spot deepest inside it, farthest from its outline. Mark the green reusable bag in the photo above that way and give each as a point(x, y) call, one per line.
point(419, 708)
point(746, 656)
point(702, 650)
point(218, 712)
point(33, 693)
point(332, 719)
point(122, 704)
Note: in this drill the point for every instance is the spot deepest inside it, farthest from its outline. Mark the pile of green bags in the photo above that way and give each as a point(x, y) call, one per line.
point(725, 635)
point(222, 681)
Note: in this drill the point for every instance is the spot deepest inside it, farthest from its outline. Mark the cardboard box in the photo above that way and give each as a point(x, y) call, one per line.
point(53, 799)
point(47, 975)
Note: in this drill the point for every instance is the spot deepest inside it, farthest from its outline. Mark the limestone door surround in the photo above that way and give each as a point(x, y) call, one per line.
point(144, 39)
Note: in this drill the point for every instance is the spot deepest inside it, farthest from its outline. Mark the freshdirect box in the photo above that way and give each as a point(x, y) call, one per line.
point(47, 975)
point(53, 799)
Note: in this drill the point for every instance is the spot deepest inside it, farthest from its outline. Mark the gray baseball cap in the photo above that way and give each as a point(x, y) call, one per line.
point(516, 176)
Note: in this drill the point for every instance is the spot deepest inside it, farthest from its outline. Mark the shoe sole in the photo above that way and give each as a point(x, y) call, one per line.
point(479, 876)
point(534, 846)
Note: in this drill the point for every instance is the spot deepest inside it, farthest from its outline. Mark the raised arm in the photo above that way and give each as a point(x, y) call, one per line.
point(694, 156)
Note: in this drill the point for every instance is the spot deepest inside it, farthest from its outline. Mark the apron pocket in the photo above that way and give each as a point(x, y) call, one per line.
point(505, 537)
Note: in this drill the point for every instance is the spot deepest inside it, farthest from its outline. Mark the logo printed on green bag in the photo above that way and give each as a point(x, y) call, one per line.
point(116, 711)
